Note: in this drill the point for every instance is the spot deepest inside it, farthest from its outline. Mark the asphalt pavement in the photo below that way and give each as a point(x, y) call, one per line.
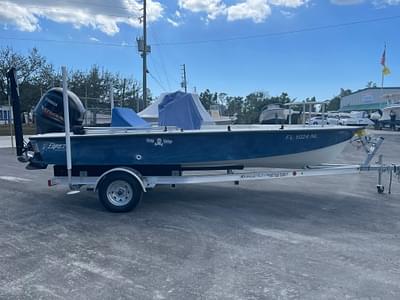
point(330, 237)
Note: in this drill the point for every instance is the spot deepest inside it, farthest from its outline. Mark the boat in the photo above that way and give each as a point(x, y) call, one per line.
point(182, 141)
point(123, 161)
point(274, 114)
point(320, 119)
point(392, 105)
point(219, 118)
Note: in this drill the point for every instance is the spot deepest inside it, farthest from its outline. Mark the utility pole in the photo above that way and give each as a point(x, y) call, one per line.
point(86, 96)
point(144, 54)
point(111, 97)
point(10, 112)
point(123, 93)
point(143, 49)
point(136, 97)
point(184, 81)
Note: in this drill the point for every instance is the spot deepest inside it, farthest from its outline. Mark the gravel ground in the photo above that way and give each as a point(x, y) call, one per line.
point(331, 237)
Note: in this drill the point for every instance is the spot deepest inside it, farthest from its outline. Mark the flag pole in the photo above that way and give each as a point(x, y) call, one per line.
point(383, 63)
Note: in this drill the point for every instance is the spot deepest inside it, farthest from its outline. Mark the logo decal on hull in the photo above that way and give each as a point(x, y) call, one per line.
point(55, 147)
point(160, 142)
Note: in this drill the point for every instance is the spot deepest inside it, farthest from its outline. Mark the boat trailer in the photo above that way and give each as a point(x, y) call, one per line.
point(121, 189)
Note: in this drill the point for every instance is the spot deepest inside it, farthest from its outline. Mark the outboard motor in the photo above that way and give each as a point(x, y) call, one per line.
point(49, 112)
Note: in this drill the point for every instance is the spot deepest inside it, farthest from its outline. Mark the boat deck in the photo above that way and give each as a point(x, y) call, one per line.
point(205, 129)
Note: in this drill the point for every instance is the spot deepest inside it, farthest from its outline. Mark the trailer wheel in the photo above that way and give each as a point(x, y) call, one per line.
point(120, 192)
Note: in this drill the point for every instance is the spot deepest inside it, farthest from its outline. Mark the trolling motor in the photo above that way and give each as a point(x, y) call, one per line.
point(16, 106)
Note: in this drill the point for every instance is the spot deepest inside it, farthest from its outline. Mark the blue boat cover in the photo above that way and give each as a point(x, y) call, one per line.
point(126, 117)
point(179, 109)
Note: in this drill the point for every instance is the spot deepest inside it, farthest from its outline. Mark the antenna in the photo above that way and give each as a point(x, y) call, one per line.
point(184, 81)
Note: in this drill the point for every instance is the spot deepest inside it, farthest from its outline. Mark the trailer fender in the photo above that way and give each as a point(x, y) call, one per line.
point(135, 174)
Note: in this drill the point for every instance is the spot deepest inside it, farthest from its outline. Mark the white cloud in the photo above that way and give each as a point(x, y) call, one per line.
point(287, 14)
point(25, 20)
point(212, 8)
point(93, 39)
point(257, 10)
point(175, 19)
point(346, 2)
point(107, 16)
point(103, 15)
point(172, 22)
point(288, 3)
point(383, 3)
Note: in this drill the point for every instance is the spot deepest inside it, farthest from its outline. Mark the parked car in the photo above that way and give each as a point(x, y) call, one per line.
point(356, 118)
point(318, 121)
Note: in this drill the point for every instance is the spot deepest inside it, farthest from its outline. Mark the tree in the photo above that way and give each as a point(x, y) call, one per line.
point(253, 105)
point(234, 106)
point(31, 70)
point(36, 76)
point(334, 103)
point(207, 98)
point(344, 92)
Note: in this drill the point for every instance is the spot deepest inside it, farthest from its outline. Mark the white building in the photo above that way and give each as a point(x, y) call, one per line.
point(369, 99)
point(5, 114)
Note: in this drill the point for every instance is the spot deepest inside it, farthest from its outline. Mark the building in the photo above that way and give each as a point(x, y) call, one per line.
point(369, 99)
point(5, 114)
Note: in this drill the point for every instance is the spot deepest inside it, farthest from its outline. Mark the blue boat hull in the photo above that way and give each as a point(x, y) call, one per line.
point(200, 148)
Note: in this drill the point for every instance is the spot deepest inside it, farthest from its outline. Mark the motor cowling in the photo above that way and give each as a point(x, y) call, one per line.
point(49, 112)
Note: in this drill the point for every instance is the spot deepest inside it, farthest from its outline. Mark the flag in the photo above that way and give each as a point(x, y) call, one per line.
point(383, 59)
point(386, 70)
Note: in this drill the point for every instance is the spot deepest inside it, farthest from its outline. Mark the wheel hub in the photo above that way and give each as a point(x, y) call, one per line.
point(119, 193)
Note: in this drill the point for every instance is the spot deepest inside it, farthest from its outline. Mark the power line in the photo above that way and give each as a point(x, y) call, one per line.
point(157, 81)
point(156, 66)
point(265, 35)
point(157, 75)
point(153, 34)
point(279, 33)
point(69, 42)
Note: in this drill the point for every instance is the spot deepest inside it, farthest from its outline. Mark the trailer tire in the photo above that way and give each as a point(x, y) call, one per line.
point(120, 192)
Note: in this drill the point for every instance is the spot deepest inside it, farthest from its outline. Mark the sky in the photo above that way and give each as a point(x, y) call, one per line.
point(303, 47)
